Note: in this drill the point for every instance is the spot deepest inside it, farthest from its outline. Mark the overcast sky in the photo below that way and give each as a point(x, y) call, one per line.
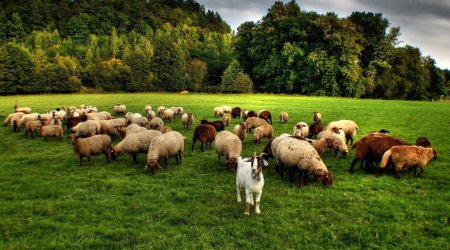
point(423, 23)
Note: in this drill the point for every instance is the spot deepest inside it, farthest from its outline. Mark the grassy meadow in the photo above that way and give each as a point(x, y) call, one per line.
point(48, 201)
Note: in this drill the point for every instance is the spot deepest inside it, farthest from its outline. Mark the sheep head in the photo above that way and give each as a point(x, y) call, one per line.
point(153, 165)
point(232, 164)
point(327, 179)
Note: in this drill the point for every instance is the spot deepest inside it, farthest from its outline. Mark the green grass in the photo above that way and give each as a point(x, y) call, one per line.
point(48, 201)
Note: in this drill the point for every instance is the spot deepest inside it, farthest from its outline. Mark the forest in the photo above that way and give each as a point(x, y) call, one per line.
point(73, 46)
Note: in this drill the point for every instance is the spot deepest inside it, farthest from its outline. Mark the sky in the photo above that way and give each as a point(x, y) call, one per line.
point(424, 24)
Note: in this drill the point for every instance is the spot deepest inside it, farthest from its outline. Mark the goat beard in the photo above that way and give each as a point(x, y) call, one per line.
point(257, 176)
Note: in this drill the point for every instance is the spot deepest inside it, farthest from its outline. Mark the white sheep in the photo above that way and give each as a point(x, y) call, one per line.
point(249, 176)
point(51, 130)
point(87, 128)
point(240, 130)
point(167, 114)
point(27, 117)
point(92, 146)
point(218, 111)
point(135, 143)
point(164, 146)
point(187, 119)
point(107, 127)
point(141, 121)
point(119, 109)
point(350, 128)
point(156, 122)
point(284, 117)
point(148, 109)
point(294, 153)
point(253, 122)
point(230, 146)
point(301, 129)
point(263, 131)
point(32, 127)
point(407, 156)
point(226, 109)
point(134, 128)
point(14, 120)
point(25, 110)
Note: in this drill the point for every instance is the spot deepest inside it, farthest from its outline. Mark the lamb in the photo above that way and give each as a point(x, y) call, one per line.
point(204, 133)
point(187, 120)
point(92, 146)
point(254, 122)
point(294, 153)
point(240, 130)
point(350, 128)
point(226, 119)
point(164, 146)
point(284, 117)
point(314, 129)
point(51, 130)
point(230, 146)
point(266, 115)
point(87, 128)
point(407, 156)
point(218, 125)
point(301, 129)
point(317, 117)
point(32, 127)
point(236, 112)
point(156, 122)
point(119, 109)
point(263, 131)
point(134, 143)
point(249, 176)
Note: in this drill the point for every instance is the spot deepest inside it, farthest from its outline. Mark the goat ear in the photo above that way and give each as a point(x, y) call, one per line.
point(265, 163)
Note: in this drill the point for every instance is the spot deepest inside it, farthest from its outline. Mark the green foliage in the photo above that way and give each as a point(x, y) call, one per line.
point(195, 74)
point(109, 75)
point(234, 80)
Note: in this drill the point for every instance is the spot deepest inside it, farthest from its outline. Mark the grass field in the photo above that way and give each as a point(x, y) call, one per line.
point(48, 201)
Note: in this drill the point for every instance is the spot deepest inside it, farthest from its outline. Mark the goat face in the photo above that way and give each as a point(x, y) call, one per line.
point(327, 179)
point(257, 163)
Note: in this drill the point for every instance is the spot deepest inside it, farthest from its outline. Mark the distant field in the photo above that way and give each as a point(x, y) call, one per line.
point(48, 201)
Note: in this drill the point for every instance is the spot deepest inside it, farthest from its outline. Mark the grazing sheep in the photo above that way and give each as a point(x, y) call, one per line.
point(14, 120)
point(187, 120)
point(254, 122)
point(51, 130)
point(107, 127)
point(92, 146)
point(226, 109)
point(294, 153)
point(332, 141)
point(314, 129)
point(164, 146)
point(156, 122)
point(284, 117)
point(218, 111)
point(263, 131)
point(141, 121)
point(301, 129)
point(241, 131)
point(167, 114)
point(424, 142)
point(236, 112)
point(32, 127)
point(350, 128)
point(204, 133)
point(27, 117)
point(317, 117)
point(119, 109)
point(230, 146)
point(407, 156)
point(249, 176)
point(339, 135)
point(25, 110)
point(87, 128)
point(251, 113)
point(72, 122)
point(218, 125)
point(266, 115)
point(164, 129)
point(226, 119)
point(135, 143)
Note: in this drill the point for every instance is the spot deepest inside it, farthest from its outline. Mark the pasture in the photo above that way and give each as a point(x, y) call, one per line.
point(48, 201)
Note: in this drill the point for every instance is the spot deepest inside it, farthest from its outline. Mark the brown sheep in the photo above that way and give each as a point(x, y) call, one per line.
point(407, 156)
point(218, 125)
point(236, 112)
point(251, 113)
point(263, 131)
point(315, 129)
point(91, 146)
point(266, 115)
point(204, 133)
point(254, 122)
point(226, 119)
point(283, 117)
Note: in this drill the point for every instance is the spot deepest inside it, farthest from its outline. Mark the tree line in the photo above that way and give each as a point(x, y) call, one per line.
point(170, 45)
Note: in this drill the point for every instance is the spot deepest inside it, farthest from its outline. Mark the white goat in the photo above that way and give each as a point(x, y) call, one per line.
point(249, 176)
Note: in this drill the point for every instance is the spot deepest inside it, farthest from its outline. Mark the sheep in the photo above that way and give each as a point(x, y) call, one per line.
point(32, 127)
point(187, 119)
point(230, 146)
point(107, 127)
point(371, 148)
point(156, 122)
point(294, 153)
point(164, 129)
point(150, 114)
point(263, 131)
point(91, 146)
point(119, 109)
point(283, 117)
point(164, 146)
point(99, 115)
point(226, 109)
point(350, 128)
point(332, 141)
point(141, 121)
point(254, 122)
point(339, 134)
point(407, 156)
point(204, 133)
point(167, 114)
point(266, 115)
point(314, 129)
point(218, 125)
point(14, 120)
point(72, 122)
point(175, 111)
point(424, 142)
point(60, 114)
point(147, 109)
point(119, 122)
point(51, 130)
point(25, 118)
point(87, 128)
point(236, 112)
point(301, 129)
point(226, 119)
point(134, 143)
point(134, 128)
point(25, 110)
point(317, 117)
point(240, 130)
point(251, 113)
point(249, 176)
point(180, 111)
point(160, 109)
point(218, 111)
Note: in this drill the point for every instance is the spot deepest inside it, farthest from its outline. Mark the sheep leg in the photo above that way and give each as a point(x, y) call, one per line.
point(108, 156)
point(257, 201)
point(180, 156)
point(134, 156)
point(177, 158)
point(397, 173)
point(201, 146)
point(81, 160)
point(291, 174)
point(420, 173)
point(193, 143)
point(353, 165)
point(89, 159)
point(165, 161)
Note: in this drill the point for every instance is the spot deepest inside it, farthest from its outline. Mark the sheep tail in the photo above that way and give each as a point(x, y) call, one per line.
point(385, 159)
